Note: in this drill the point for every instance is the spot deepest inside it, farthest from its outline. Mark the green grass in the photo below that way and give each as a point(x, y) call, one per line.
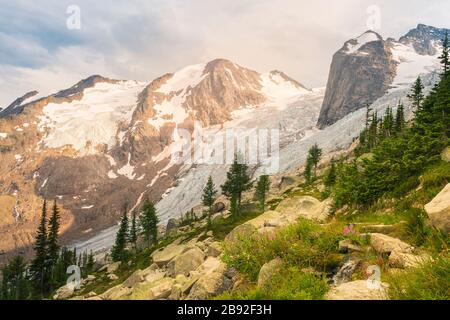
point(289, 284)
point(428, 282)
point(222, 226)
point(304, 244)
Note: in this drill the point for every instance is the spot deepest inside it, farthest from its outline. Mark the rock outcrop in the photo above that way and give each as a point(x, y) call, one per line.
point(357, 290)
point(438, 210)
point(361, 72)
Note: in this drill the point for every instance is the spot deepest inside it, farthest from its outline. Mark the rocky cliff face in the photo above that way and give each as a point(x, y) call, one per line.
point(361, 72)
point(365, 68)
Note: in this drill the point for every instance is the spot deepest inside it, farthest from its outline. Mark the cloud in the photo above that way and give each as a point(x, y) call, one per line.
point(142, 40)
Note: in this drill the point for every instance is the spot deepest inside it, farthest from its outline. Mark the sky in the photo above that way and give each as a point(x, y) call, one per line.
point(42, 48)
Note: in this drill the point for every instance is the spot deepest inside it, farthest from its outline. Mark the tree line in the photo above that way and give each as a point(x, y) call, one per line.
point(47, 270)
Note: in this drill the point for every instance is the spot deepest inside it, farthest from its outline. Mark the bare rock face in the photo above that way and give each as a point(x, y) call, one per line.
point(438, 210)
point(361, 72)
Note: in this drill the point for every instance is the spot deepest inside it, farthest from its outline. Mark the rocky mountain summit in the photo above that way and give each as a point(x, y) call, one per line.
point(365, 68)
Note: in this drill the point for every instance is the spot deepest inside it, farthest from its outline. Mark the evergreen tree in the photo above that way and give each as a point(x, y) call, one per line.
point(238, 181)
point(330, 178)
point(39, 272)
point(149, 222)
point(133, 236)
point(314, 155)
point(400, 118)
point(52, 239)
point(209, 197)
point(444, 56)
point(89, 264)
point(262, 187)
point(118, 251)
point(416, 96)
point(308, 171)
point(15, 285)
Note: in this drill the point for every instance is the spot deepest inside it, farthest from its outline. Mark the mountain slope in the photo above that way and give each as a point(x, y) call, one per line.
point(104, 143)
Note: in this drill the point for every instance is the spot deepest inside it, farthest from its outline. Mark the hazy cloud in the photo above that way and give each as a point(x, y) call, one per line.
point(144, 39)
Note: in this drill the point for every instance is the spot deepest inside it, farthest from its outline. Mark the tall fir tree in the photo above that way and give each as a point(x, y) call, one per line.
point(149, 222)
point(330, 177)
point(314, 155)
point(416, 96)
point(308, 174)
point(133, 235)
point(238, 181)
point(400, 118)
point(15, 285)
point(444, 57)
point(38, 269)
point(262, 187)
point(209, 197)
point(53, 234)
point(118, 251)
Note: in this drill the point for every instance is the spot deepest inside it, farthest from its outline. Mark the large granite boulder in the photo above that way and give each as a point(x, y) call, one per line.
point(438, 210)
point(186, 262)
point(357, 290)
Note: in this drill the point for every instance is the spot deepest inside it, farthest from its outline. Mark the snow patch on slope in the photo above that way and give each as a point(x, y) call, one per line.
point(183, 79)
point(93, 120)
point(366, 37)
point(411, 64)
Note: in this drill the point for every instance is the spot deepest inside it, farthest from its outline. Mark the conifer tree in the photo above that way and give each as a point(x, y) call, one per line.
point(308, 171)
point(118, 251)
point(445, 56)
point(238, 181)
point(209, 197)
point(400, 118)
point(416, 96)
point(39, 272)
point(149, 222)
point(53, 233)
point(15, 285)
point(262, 187)
point(314, 155)
point(330, 178)
point(133, 236)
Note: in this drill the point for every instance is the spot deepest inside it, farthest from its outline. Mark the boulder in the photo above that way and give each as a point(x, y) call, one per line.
point(172, 226)
point(162, 256)
point(357, 290)
point(209, 285)
point(134, 279)
point(211, 264)
point(159, 289)
point(240, 232)
point(386, 244)
point(218, 207)
point(304, 206)
point(268, 270)
point(445, 154)
point(438, 210)
point(64, 292)
point(399, 259)
point(162, 290)
point(112, 267)
point(112, 277)
point(347, 245)
point(186, 262)
point(153, 276)
point(213, 249)
point(116, 293)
